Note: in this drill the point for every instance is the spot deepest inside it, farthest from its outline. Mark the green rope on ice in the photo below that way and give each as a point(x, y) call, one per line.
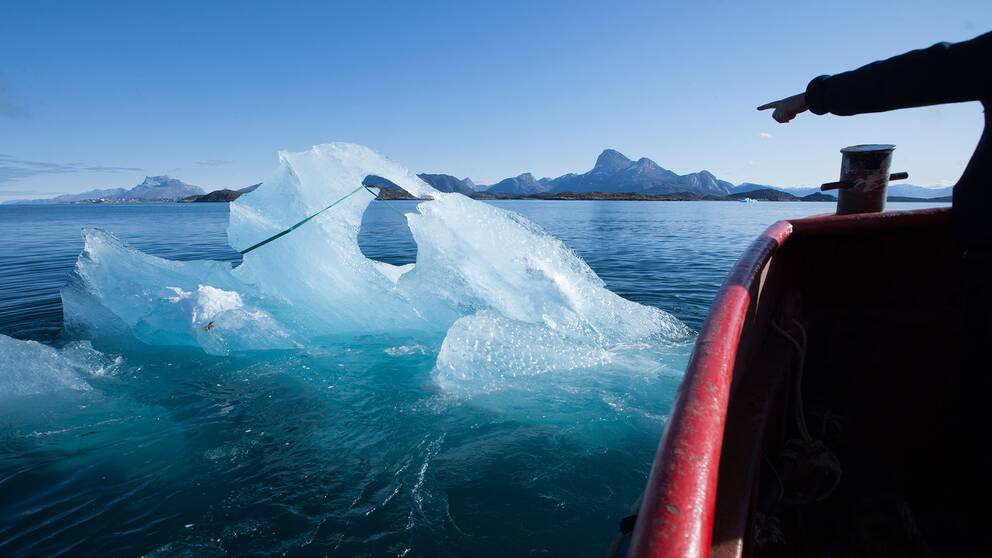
point(400, 213)
point(298, 225)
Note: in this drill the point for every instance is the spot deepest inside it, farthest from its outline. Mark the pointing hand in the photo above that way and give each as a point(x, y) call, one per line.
point(786, 109)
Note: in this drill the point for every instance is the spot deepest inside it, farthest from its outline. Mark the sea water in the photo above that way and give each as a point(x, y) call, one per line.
point(351, 448)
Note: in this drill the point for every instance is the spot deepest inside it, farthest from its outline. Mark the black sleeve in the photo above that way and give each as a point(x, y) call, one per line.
point(943, 73)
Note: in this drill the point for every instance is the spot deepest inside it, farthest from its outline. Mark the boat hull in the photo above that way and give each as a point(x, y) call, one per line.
point(807, 396)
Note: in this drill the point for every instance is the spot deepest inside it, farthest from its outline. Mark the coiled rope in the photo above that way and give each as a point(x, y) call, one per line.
point(809, 456)
point(801, 353)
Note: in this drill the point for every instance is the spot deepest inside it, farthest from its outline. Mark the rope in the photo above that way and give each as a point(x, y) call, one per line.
point(387, 206)
point(813, 454)
point(298, 225)
point(801, 350)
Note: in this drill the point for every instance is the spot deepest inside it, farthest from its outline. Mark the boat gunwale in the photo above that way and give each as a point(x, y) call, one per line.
point(677, 511)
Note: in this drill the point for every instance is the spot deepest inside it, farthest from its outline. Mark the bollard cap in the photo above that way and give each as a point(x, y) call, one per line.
point(868, 148)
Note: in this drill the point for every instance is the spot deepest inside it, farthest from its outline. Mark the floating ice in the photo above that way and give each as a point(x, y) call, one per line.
point(29, 368)
point(511, 299)
point(115, 290)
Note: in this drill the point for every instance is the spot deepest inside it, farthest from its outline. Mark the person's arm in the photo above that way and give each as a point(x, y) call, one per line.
point(943, 73)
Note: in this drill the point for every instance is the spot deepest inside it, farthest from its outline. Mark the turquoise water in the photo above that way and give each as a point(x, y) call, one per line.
point(342, 449)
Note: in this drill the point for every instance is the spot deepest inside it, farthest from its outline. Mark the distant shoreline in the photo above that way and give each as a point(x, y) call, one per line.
point(566, 196)
point(759, 195)
point(613, 178)
point(396, 194)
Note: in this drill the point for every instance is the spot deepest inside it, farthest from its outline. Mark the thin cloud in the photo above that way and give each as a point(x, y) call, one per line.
point(213, 162)
point(13, 168)
point(764, 135)
point(8, 106)
point(4, 192)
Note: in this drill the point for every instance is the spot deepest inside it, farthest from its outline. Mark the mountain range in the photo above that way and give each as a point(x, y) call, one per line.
point(613, 174)
point(153, 188)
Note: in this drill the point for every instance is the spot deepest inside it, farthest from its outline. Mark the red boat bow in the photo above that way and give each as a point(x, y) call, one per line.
point(676, 517)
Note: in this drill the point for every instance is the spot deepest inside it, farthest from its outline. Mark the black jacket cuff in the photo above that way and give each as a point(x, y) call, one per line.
point(816, 97)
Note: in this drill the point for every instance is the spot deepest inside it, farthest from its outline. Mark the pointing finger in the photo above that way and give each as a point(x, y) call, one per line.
point(767, 106)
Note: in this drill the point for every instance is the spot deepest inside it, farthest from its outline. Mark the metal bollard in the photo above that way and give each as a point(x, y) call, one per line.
point(864, 179)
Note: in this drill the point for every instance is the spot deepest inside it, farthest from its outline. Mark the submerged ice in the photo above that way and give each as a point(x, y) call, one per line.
point(506, 297)
point(31, 368)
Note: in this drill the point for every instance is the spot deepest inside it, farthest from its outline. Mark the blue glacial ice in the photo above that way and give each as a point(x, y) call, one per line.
point(507, 298)
point(31, 368)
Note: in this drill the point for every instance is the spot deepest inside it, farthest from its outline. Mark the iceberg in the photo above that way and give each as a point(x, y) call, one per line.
point(506, 297)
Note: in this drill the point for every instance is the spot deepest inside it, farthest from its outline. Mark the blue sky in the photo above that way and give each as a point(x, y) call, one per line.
point(100, 94)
